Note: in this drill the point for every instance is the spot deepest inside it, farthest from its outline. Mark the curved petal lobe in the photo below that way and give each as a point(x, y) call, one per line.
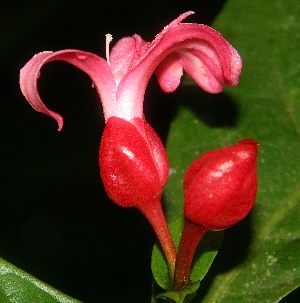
point(94, 66)
point(169, 73)
point(204, 54)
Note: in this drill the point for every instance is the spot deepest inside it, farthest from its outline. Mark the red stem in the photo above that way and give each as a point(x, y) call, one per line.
point(155, 216)
point(191, 235)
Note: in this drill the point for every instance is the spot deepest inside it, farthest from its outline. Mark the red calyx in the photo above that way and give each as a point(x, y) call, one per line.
point(133, 162)
point(220, 186)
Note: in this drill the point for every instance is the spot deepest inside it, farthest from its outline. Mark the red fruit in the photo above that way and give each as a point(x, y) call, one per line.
point(220, 186)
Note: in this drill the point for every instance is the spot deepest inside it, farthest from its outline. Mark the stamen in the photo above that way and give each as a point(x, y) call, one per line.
point(108, 40)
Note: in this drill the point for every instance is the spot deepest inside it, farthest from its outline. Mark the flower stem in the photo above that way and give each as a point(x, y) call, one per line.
point(191, 235)
point(158, 222)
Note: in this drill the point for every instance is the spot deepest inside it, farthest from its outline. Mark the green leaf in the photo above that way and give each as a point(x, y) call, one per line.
point(204, 255)
point(16, 286)
point(259, 260)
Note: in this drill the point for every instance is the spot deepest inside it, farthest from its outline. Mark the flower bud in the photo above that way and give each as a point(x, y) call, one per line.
point(220, 186)
point(133, 162)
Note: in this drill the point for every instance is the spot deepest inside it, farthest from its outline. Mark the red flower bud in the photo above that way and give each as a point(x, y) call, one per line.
point(220, 186)
point(133, 162)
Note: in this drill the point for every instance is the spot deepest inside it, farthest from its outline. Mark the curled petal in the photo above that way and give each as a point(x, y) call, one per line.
point(169, 73)
point(200, 44)
point(94, 66)
point(210, 60)
point(204, 67)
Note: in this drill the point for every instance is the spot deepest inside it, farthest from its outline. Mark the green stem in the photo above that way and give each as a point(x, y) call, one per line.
point(156, 217)
point(191, 235)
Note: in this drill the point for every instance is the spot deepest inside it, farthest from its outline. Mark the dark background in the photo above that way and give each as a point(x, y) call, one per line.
point(55, 218)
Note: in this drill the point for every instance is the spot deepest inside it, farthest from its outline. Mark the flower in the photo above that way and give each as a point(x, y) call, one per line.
point(220, 186)
point(122, 78)
point(133, 161)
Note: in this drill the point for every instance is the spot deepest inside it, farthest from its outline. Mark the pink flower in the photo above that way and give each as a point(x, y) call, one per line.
point(133, 161)
point(122, 78)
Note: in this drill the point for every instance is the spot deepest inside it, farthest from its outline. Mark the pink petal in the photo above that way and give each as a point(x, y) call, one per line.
point(169, 73)
point(210, 60)
point(204, 68)
point(124, 54)
point(121, 57)
point(206, 45)
point(94, 66)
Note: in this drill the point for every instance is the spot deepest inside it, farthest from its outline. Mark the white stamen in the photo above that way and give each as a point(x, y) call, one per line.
point(108, 40)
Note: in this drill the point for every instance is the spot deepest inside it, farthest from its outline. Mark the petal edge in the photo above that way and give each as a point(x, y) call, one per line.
point(95, 66)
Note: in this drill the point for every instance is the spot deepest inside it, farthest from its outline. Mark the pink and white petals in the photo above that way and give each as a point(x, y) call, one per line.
point(121, 80)
point(196, 48)
point(124, 55)
point(96, 67)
